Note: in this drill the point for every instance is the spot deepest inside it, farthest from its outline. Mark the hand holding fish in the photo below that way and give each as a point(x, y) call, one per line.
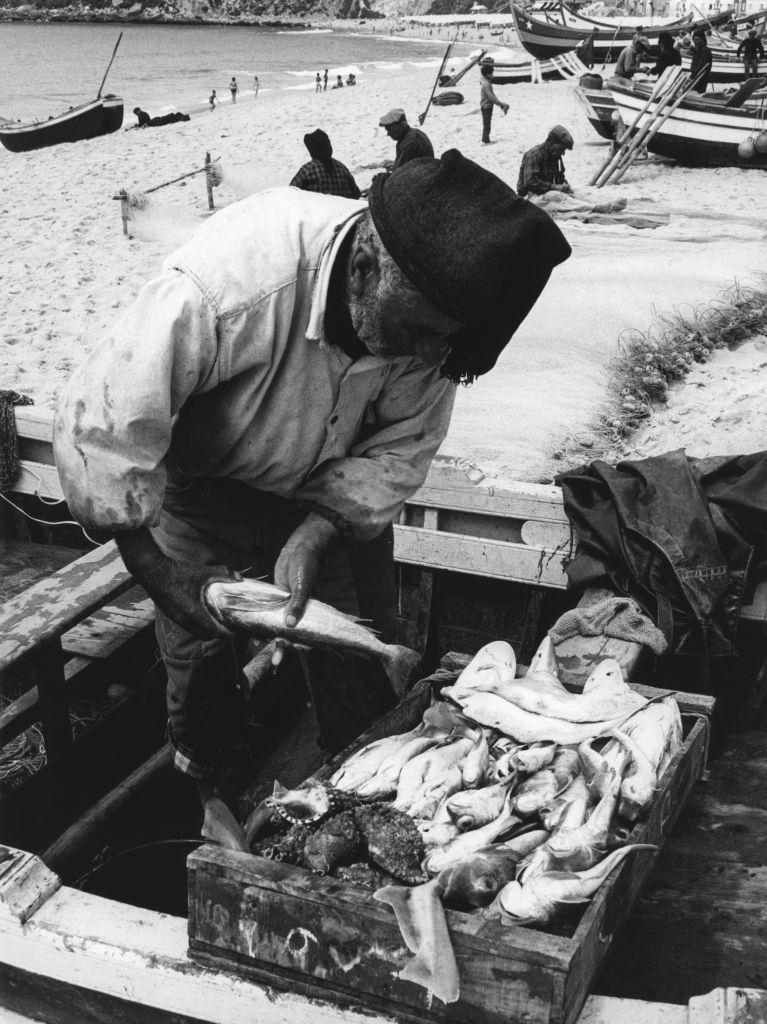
point(300, 561)
point(176, 588)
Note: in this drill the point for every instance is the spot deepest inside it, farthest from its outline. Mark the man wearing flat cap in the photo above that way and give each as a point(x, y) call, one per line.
point(630, 57)
point(542, 169)
point(323, 173)
point(411, 142)
point(270, 401)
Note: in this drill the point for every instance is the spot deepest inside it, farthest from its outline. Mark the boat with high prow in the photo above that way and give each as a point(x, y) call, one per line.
point(99, 116)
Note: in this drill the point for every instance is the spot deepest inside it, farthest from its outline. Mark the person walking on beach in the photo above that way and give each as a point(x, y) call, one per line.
point(542, 169)
point(255, 87)
point(322, 173)
point(325, 81)
point(752, 50)
point(701, 62)
point(488, 100)
point(213, 100)
point(269, 402)
point(233, 89)
point(318, 83)
point(411, 142)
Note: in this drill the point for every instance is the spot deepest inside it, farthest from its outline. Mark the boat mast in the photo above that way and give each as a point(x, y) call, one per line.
point(109, 65)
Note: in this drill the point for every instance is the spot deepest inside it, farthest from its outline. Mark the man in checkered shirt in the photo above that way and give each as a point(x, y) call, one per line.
point(322, 173)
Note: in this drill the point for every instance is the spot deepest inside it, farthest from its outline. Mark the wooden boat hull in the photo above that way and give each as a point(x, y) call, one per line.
point(697, 133)
point(87, 121)
point(545, 39)
point(566, 65)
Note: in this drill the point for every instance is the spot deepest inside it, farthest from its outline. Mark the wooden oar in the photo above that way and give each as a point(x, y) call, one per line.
point(109, 65)
point(657, 124)
point(610, 51)
point(422, 117)
point(663, 82)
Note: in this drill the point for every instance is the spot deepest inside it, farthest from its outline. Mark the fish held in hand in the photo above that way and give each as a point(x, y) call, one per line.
point(258, 609)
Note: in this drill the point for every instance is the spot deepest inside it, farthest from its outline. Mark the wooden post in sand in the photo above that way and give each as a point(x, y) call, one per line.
point(208, 182)
point(122, 195)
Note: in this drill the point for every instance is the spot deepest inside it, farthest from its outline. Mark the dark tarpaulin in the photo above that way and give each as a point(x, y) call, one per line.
point(687, 538)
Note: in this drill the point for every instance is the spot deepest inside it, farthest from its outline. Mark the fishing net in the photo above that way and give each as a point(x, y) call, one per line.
point(9, 442)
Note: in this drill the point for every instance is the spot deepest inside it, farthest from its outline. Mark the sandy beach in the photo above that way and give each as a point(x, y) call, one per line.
point(69, 271)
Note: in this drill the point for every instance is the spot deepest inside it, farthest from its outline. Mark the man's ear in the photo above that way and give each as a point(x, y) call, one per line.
point(362, 266)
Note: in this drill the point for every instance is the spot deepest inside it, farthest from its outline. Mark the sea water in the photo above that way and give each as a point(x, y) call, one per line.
point(44, 68)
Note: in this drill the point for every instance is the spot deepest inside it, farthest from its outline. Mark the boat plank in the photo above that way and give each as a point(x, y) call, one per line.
point(51, 606)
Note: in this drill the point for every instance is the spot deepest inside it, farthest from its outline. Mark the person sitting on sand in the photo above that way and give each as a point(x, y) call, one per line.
point(351, 80)
point(322, 173)
point(142, 117)
point(269, 402)
point(411, 142)
point(668, 56)
point(339, 82)
point(752, 50)
point(488, 100)
point(631, 56)
point(701, 62)
point(542, 169)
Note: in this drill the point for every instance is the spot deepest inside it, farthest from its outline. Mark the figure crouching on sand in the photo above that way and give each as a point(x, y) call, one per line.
point(488, 100)
point(411, 142)
point(322, 173)
point(267, 405)
point(542, 168)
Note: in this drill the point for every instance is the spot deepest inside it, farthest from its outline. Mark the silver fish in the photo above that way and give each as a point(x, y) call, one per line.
point(468, 842)
point(580, 847)
point(477, 807)
point(541, 896)
point(532, 759)
point(258, 609)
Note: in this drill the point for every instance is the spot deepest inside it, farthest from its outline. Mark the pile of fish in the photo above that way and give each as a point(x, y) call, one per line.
point(512, 797)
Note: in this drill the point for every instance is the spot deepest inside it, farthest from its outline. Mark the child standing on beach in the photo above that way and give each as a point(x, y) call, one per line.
point(488, 100)
point(233, 88)
point(255, 86)
point(213, 100)
point(318, 83)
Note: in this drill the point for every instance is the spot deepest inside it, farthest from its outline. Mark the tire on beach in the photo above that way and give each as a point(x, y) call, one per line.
point(448, 99)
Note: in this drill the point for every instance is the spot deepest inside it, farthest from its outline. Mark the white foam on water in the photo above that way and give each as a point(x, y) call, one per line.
point(385, 66)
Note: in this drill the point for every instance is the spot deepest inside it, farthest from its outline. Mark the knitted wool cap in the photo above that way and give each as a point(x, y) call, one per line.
point(470, 245)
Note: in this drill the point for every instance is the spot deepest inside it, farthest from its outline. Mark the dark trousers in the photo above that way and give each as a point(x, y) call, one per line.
point(487, 117)
point(214, 729)
point(751, 66)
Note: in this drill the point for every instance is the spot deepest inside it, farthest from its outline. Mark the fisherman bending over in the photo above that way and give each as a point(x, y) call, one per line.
point(542, 169)
point(270, 401)
point(631, 56)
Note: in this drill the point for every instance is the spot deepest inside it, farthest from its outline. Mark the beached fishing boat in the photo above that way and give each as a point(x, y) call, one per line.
point(564, 66)
point(99, 926)
point(698, 133)
point(100, 116)
point(544, 39)
point(598, 102)
point(567, 14)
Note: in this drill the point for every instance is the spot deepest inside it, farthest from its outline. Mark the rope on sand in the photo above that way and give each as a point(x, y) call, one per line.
point(648, 361)
point(212, 170)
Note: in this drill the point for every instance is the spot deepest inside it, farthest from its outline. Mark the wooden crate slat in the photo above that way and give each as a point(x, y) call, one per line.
point(479, 557)
point(34, 422)
point(450, 487)
point(53, 605)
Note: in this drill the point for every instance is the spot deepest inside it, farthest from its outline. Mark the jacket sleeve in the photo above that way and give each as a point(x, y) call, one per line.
point(364, 491)
point(113, 423)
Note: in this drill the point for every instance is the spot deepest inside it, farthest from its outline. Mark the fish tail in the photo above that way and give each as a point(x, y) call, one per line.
point(402, 666)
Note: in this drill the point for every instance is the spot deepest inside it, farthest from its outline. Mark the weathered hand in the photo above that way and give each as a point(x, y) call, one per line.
point(298, 566)
point(176, 588)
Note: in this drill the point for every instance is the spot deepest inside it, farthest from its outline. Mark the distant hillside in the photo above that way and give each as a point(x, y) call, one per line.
point(226, 11)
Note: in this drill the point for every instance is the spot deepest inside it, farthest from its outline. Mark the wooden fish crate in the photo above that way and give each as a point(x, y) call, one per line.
point(286, 927)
